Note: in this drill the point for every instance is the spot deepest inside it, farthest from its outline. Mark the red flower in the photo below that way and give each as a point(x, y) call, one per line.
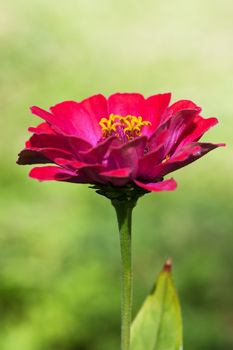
point(125, 139)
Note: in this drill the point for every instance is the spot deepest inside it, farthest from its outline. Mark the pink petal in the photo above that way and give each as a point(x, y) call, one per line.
point(84, 116)
point(96, 106)
point(127, 104)
point(180, 106)
point(43, 128)
point(48, 173)
point(166, 185)
point(48, 141)
point(77, 119)
point(156, 106)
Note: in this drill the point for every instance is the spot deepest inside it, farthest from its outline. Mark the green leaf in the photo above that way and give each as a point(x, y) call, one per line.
point(158, 325)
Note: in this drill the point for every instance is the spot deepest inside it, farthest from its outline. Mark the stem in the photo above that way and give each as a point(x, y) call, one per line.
point(124, 216)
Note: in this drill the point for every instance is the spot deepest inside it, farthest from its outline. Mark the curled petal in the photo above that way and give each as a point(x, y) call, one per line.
point(196, 130)
point(48, 173)
point(166, 185)
point(184, 157)
point(181, 105)
point(28, 156)
point(176, 127)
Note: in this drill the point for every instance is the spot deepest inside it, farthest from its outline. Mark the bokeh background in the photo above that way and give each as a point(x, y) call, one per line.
point(59, 249)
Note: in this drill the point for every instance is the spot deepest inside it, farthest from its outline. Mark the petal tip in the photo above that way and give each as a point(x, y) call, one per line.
point(167, 267)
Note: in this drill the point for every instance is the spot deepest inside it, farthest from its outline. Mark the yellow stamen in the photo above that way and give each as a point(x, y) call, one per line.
point(127, 127)
point(166, 158)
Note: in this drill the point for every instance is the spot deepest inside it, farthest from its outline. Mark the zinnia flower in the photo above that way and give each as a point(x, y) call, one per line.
point(125, 139)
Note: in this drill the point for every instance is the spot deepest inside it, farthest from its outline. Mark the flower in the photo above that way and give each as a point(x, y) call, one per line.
point(121, 140)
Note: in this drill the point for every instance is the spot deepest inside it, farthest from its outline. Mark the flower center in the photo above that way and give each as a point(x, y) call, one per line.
point(125, 128)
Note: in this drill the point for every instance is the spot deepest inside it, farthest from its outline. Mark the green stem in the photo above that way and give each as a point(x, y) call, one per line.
point(124, 216)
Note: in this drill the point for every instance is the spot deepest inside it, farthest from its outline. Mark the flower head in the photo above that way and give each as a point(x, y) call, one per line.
point(123, 140)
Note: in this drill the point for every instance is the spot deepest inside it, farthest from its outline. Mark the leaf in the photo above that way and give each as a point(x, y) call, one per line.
point(158, 325)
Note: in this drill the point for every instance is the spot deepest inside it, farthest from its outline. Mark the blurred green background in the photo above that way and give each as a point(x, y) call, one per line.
point(59, 249)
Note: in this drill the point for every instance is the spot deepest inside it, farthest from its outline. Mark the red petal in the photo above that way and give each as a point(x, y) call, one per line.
point(166, 185)
point(126, 104)
point(47, 173)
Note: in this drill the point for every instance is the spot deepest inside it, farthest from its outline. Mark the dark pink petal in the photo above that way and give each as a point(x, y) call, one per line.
point(166, 185)
point(127, 104)
point(96, 154)
point(87, 173)
point(48, 155)
point(185, 156)
point(117, 177)
point(149, 161)
point(47, 173)
point(158, 138)
point(69, 163)
point(128, 155)
point(27, 156)
point(91, 174)
point(176, 127)
point(71, 144)
point(156, 106)
point(78, 145)
point(48, 141)
point(49, 145)
point(197, 129)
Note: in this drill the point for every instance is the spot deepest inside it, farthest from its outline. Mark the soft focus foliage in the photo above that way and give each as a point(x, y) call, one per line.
point(59, 276)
